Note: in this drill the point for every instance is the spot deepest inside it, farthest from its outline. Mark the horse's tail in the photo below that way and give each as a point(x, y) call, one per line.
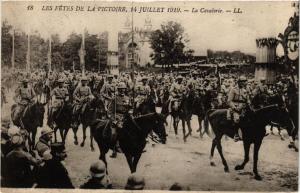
point(207, 126)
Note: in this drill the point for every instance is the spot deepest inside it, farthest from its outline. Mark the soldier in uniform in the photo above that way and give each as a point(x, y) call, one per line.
point(44, 143)
point(97, 171)
point(176, 91)
point(24, 96)
point(237, 101)
point(61, 95)
point(82, 95)
point(108, 91)
point(142, 92)
point(18, 164)
point(120, 108)
point(54, 174)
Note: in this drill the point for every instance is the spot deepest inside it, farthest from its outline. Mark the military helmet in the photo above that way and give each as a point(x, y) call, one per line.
point(98, 169)
point(25, 80)
point(122, 85)
point(110, 76)
point(60, 80)
point(84, 78)
point(242, 79)
point(46, 130)
point(135, 182)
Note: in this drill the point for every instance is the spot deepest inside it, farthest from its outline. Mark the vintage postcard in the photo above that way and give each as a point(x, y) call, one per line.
point(161, 96)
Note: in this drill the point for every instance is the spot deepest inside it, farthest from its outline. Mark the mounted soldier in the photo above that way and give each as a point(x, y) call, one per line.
point(82, 95)
point(176, 92)
point(24, 96)
point(142, 92)
point(120, 108)
point(237, 102)
point(108, 91)
point(60, 95)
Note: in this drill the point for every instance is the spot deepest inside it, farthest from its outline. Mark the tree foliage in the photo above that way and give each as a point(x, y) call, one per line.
point(169, 45)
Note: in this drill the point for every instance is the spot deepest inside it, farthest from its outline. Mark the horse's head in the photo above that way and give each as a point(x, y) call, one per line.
point(96, 108)
point(159, 127)
point(38, 110)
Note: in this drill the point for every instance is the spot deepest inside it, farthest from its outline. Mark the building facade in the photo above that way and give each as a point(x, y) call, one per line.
point(134, 45)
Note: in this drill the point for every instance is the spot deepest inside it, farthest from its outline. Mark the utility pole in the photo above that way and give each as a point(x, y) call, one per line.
point(13, 49)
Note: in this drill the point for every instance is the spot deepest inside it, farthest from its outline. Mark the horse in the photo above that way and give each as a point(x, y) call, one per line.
point(132, 136)
point(63, 120)
point(93, 108)
point(32, 118)
point(253, 130)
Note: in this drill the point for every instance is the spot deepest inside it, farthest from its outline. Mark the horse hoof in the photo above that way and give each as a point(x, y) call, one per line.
point(226, 170)
point(296, 149)
point(75, 142)
point(82, 144)
point(239, 167)
point(290, 146)
point(92, 149)
point(258, 177)
point(212, 164)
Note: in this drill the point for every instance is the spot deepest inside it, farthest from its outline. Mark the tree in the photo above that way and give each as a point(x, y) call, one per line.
point(6, 43)
point(169, 45)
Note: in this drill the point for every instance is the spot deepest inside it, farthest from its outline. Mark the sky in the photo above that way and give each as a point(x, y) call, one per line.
point(214, 31)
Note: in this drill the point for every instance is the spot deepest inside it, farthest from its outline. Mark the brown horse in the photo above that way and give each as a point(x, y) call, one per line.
point(253, 131)
point(132, 137)
point(30, 121)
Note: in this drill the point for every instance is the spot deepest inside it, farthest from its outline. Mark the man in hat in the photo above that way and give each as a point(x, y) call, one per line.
point(177, 90)
point(97, 171)
point(82, 95)
point(237, 101)
point(53, 173)
point(142, 92)
point(44, 142)
point(60, 95)
point(18, 164)
point(24, 96)
point(108, 91)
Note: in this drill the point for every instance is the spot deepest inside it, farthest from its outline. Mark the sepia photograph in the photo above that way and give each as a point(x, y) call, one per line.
point(132, 95)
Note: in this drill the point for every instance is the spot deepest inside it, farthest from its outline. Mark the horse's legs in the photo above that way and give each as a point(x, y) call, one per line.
point(175, 124)
point(183, 130)
point(213, 146)
point(91, 138)
point(33, 138)
point(75, 129)
point(189, 126)
point(61, 131)
point(257, 145)
point(129, 159)
point(246, 156)
point(103, 158)
point(271, 129)
point(219, 147)
point(84, 134)
point(136, 159)
point(65, 135)
point(55, 137)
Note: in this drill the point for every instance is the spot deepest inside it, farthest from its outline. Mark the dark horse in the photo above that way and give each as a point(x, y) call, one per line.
point(63, 120)
point(32, 119)
point(132, 136)
point(253, 131)
point(179, 111)
point(93, 107)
